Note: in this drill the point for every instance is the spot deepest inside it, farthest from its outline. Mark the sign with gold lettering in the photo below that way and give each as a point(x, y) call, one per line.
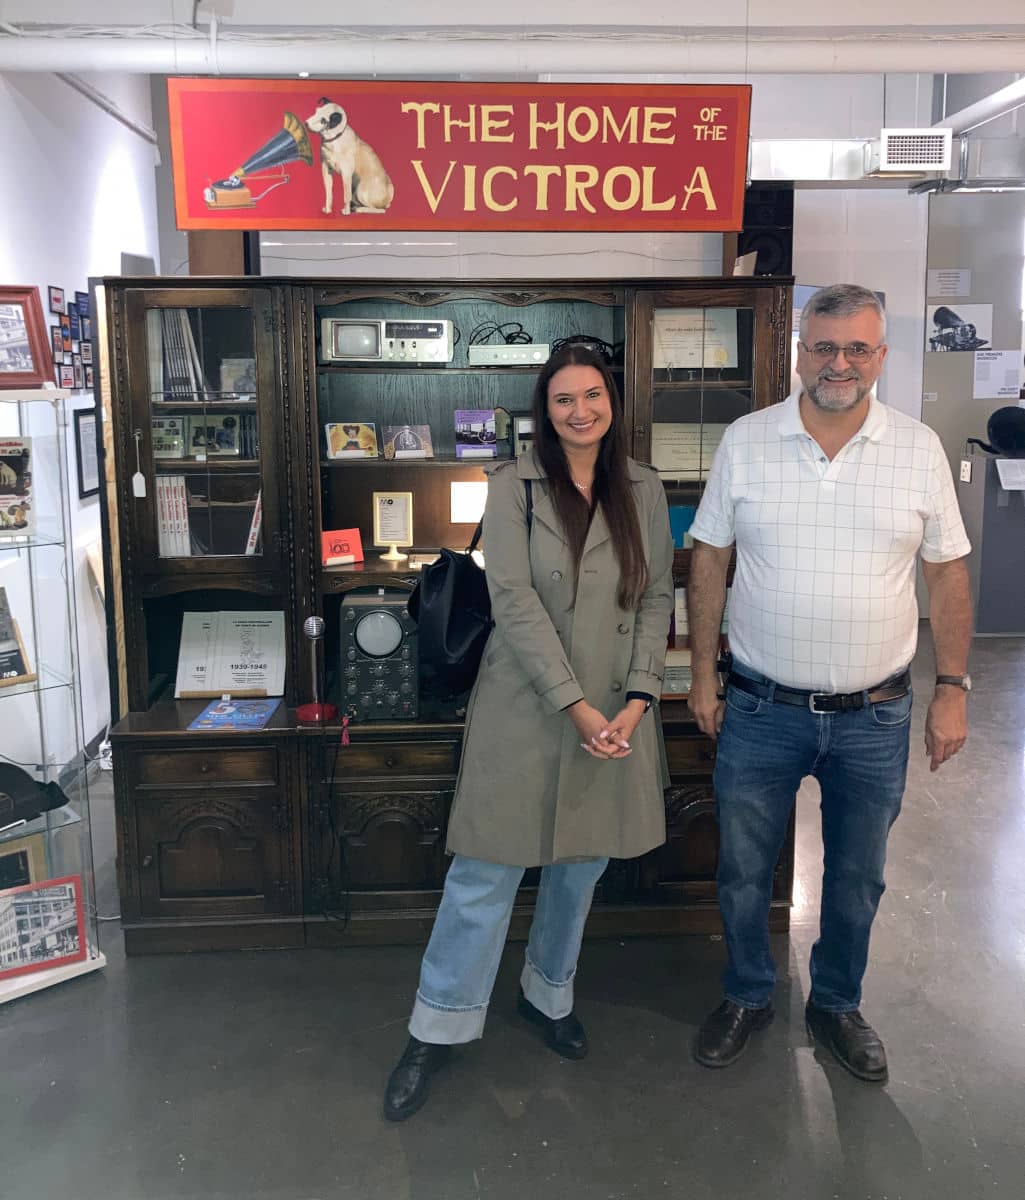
point(358, 155)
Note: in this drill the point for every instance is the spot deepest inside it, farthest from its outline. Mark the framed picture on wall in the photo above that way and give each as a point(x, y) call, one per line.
point(58, 344)
point(66, 377)
point(88, 377)
point(56, 297)
point(24, 344)
point(86, 452)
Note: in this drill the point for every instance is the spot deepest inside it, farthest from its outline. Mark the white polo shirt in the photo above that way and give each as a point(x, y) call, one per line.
point(824, 592)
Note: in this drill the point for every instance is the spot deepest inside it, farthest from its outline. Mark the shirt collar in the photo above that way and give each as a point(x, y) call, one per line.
point(791, 425)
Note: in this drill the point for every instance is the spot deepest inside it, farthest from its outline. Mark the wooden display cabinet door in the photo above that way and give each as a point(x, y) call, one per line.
point(213, 854)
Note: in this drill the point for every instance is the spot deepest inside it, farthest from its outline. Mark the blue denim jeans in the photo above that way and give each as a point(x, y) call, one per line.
point(461, 961)
point(860, 760)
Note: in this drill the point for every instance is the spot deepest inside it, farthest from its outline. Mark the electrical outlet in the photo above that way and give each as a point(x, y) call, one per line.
point(966, 470)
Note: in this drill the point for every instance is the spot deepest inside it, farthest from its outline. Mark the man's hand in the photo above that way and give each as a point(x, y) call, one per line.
point(946, 725)
point(590, 724)
point(705, 704)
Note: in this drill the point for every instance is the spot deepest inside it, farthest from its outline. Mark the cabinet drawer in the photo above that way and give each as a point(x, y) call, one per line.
point(169, 768)
point(690, 755)
point(373, 760)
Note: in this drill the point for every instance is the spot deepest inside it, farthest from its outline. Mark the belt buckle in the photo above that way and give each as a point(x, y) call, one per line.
point(819, 712)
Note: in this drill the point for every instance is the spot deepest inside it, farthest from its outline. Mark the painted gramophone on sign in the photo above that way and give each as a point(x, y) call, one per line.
point(291, 144)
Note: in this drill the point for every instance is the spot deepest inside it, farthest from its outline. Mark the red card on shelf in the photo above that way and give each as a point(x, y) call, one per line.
point(340, 546)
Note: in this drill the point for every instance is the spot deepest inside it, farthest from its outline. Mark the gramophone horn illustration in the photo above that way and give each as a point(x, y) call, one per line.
point(290, 144)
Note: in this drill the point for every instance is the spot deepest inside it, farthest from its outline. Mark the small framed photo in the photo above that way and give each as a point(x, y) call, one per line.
point(24, 343)
point(86, 452)
point(87, 327)
point(77, 373)
point(393, 523)
point(57, 338)
point(56, 296)
point(76, 327)
point(67, 375)
point(86, 350)
point(88, 377)
point(82, 301)
point(47, 922)
point(65, 328)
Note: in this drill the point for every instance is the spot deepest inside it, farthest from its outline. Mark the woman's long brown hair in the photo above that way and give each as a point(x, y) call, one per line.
point(611, 489)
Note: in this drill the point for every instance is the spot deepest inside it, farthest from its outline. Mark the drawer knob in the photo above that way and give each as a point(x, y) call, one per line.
point(204, 768)
point(148, 861)
point(391, 761)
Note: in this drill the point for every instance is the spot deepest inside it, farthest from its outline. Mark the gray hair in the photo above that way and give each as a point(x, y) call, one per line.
point(841, 300)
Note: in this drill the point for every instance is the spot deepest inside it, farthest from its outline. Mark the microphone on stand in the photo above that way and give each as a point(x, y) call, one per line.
point(313, 628)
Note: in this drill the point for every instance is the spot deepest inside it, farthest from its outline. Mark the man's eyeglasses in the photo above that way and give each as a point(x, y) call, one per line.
point(855, 352)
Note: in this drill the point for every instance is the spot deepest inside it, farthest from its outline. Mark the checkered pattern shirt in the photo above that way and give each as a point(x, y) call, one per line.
point(824, 592)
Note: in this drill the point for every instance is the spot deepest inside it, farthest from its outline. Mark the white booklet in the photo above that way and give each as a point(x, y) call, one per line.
point(239, 653)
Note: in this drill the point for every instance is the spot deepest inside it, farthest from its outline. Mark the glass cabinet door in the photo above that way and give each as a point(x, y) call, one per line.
point(703, 360)
point(205, 390)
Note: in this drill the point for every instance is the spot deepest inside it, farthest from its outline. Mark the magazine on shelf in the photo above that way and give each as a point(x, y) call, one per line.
point(16, 515)
point(213, 436)
point(168, 437)
point(351, 439)
point(14, 666)
point(173, 537)
point(475, 433)
point(232, 713)
point(253, 540)
point(407, 441)
point(234, 653)
point(238, 377)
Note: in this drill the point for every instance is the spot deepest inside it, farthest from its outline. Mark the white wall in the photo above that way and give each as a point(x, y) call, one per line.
point(76, 191)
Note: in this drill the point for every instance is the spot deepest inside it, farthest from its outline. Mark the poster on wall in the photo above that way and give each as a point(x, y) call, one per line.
point(384, 155)
point(998, 375)
point(958, 327)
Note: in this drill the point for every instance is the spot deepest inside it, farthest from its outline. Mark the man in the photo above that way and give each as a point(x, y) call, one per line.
point(829, 499)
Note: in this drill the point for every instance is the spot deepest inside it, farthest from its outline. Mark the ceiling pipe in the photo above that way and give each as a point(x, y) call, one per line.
point(503, 57)
point(998, 104)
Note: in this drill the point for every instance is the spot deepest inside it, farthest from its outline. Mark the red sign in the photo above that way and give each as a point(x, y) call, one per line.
point(343, 154)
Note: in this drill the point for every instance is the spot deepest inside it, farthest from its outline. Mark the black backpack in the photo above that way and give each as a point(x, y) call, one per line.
point(452, 608)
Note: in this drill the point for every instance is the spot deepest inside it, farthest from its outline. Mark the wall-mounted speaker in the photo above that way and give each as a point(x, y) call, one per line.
point(378, 645)
point(769, 229)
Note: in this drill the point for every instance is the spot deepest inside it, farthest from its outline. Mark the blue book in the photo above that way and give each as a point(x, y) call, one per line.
point(681, 517)
point(236, 714)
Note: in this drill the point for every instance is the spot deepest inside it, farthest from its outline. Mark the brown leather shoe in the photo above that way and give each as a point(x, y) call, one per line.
point(407, 1088)
point(851, 1040)
point(565, 1035)
point(725, 1034)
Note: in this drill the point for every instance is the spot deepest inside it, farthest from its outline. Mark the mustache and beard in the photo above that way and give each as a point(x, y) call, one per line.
point(837, 391)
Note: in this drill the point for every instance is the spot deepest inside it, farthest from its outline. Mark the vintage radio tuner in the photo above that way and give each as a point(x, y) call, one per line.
point(380, 678)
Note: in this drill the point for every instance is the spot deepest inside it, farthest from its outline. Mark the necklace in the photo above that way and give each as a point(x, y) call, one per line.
point(583, 487)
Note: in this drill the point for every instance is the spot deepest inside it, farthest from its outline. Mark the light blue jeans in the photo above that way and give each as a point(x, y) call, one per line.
point(462, 957)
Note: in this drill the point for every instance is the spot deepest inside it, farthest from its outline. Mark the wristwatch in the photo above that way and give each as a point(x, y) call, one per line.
point(964, 682)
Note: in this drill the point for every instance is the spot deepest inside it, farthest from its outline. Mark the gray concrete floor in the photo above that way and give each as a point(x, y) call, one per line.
point(244, 1076)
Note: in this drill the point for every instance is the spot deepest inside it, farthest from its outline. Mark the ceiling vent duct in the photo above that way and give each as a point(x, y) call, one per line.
point(905, 151)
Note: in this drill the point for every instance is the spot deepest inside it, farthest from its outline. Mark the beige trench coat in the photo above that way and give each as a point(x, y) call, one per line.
point(527, 794)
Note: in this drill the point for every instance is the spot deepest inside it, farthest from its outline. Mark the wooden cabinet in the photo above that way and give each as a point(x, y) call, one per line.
point(208, 835)
point(234, 390)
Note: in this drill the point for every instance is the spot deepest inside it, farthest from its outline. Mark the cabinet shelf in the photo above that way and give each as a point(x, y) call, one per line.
point(439, 460)
point(693, 385)
point(54, 821)
point(47, 680)
point(388, 368)
point(161, 402)
point(193, 465)
point(31, 541)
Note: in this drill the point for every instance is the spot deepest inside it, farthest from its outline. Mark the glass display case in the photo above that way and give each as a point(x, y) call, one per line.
point(48, 922)
point(206, 476)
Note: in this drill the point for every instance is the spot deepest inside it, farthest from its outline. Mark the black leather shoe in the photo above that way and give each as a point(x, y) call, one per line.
point(724, 1035)
point(408, 1083)
point(851, 1040)
point(565, 1035)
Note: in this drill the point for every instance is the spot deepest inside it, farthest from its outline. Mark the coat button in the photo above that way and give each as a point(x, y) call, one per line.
point(556, 575)
point(617, 687)
point(624, 629)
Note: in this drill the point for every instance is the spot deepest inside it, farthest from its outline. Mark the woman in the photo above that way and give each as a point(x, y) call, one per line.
point(561, 766)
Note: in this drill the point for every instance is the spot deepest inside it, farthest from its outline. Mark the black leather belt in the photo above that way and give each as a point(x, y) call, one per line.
point(826, 702)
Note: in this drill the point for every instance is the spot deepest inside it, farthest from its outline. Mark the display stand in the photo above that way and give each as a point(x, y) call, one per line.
point(48, 931)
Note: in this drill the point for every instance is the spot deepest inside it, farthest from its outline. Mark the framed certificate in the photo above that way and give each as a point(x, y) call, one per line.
point(393, 522)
